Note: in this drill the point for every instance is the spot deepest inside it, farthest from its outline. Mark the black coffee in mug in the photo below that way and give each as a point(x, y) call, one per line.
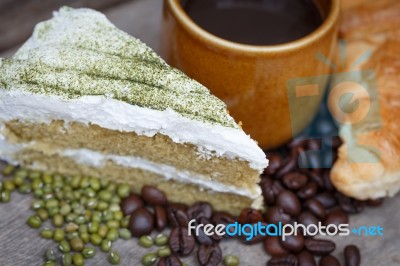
point(255, 22)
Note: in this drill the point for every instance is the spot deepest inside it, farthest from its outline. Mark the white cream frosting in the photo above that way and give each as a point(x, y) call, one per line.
point(117, 115)
point(96, 159)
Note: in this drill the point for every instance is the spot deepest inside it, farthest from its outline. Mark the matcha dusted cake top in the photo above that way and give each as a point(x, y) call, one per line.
point(80, 53)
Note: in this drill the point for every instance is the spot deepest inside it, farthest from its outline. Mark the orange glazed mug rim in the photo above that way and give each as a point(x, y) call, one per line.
point(190, 26)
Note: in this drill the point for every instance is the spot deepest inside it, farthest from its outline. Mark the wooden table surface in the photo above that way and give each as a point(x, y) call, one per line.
point(20, 245)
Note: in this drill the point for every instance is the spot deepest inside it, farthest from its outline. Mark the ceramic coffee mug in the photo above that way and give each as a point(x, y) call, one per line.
point(252, 80)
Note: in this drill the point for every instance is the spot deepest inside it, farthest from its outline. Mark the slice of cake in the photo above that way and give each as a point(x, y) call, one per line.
point(84, 98)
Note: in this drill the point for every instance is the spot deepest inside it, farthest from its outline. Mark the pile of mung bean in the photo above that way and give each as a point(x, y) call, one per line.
point(81, 213)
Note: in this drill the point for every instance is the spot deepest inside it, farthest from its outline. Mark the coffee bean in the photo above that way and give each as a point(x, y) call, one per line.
point(273, 246)
point(250, 216)
point(327, 199)
point(131, 203)
point(177, 216)
point(352, 255)
point(289, 260)
point(315, 207)
point(180, 241)
point(171, 260)
point(275, 161)
point(277, 187)
point(293, 243)
point(201, 236)
point(319, 246)
point(349, 205)
point(274, 215)
point(289, 202)
point(294, 180)
point(222, 218)
point(308, 190)
point(314, 144)
point(160, 216)
point(141, 222)
point(317, 178)
point(327, 181)
point(306, 218)
point(329, 261)
point(305, 258)
point(287, 166)
point(257, 238)
point(336, 142)
point(267, 191)
point(336, 217)
point(153, 196)
point(375, 202)
point(209, 255)
point(200, 209)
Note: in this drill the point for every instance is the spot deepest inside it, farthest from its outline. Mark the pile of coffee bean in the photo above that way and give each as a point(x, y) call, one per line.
point(307, 196)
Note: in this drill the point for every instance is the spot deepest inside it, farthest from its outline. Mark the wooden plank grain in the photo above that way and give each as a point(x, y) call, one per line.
point(18, 17)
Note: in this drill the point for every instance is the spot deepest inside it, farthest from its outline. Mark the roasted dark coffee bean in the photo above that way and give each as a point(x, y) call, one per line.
point(277, 187)
point(308, 191)
point(293, 243)
point(171, 260)
point(250, 216)
point(177, 216)
point(315, 207)
point(329, 261)
point(305, 258)
point(336, 142)
point(294, 180)
point(307, 218)
point(297, 142)
point(336, 217)
point(289, 260)
point(319, 247)
point(314, 144)
point(131, 203)
point(153, 196)
point(160, 215)
point(349, 205)
point(180, 241)
point(275, 161)
point(273, 247)
point(275, 214)
point(317, 178)
point(141, 222)
point(327, 181)
point(209, 255)
point(222, 218)
point(200, 235)
point(352, 255)
point(289, 202)
point(327, 199)
point(200, 209)
point(258, 238)
point(287, 166)
point(267, 191)
point(375, 202)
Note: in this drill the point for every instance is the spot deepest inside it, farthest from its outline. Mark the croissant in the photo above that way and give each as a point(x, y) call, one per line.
point(368, 164)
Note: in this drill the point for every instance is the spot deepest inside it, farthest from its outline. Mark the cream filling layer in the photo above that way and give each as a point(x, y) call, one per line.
point(98, 160)
point(212, 140)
